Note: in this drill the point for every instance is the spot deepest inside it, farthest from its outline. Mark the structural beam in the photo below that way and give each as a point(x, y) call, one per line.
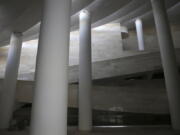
point(85, 77)
point(168, 57)
point(8, 95)
point(140, 35)
point(49, 114)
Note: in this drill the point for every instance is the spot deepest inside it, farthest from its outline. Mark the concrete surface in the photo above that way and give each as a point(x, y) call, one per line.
point(150, 38)
point(138, 96)
point(104, 38)
point(157, 130)
point(128, 64)
point(27, 14)
point(107, 52)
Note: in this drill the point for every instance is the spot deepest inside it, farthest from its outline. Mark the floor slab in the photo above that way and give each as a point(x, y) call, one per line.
point(158, 130)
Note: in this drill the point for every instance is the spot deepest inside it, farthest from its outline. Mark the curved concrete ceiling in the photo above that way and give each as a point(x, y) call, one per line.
point(100, 9)
point(148, 19)
point(20, 15)
point(131, 6)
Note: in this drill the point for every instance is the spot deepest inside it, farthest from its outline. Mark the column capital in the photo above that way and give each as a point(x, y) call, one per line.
point(157, 0)
point(84, 14)
point(17, 33)
point(138, 20)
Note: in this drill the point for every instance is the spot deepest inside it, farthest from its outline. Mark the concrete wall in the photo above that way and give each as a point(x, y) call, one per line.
point(106, 44)
point(27, 60)
point(150, 37)
point(128, 96)
point(129, 64)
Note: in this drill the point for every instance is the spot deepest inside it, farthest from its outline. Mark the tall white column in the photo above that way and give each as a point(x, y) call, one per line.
point(168, 60)
point(49, 114)
point(140, 35)
point(7, 99)
point(85, 107)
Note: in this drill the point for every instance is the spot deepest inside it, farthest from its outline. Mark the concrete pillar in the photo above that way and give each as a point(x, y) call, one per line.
point(168, 60)
point(7, 99)
point(140, 35)
point(85, 107)
point(49, 114)
point(121, 38)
